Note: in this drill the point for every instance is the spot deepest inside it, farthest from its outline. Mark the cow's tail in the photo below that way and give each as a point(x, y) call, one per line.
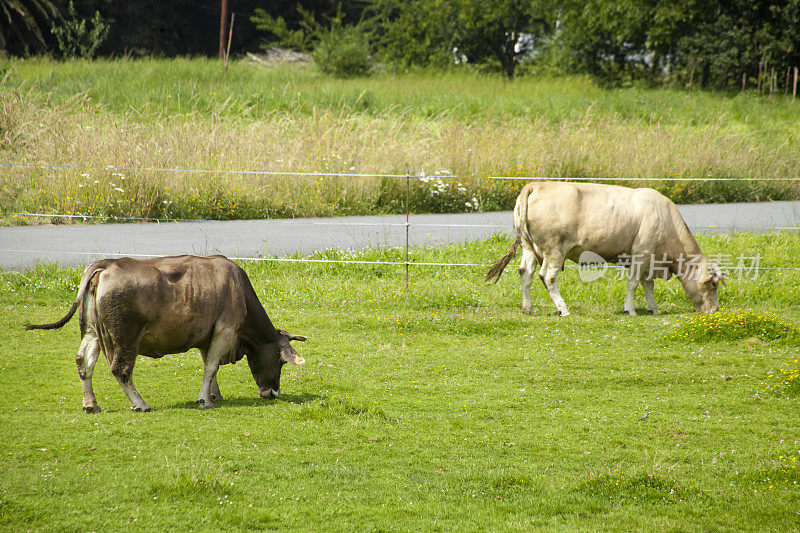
point(522, 228)
point(88, 274)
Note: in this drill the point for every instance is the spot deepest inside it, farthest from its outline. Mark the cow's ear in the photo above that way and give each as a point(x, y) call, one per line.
point(296, 338)
point(716, 274)
point(292, 357)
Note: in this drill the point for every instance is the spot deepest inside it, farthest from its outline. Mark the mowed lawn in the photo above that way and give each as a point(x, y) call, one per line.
point(438, 409)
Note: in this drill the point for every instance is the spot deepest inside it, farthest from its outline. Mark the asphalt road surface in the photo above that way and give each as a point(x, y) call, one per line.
point(80, 244)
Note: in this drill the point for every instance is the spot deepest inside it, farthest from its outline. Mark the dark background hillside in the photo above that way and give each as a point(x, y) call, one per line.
point(730, 44)
point(173, 27)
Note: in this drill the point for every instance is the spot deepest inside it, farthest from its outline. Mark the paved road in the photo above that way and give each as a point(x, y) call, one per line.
point(23, 247)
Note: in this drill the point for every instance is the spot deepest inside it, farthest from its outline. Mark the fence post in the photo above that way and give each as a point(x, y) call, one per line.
point(773, 81)
point(230, 35)
point(408, 209)
point(794, 88)
point(786, 91)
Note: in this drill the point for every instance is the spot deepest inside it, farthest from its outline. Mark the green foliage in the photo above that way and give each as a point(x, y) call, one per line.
point(504, 31)
point(441, 32)
point(419, 33)
point(709, 43)
point(338, 49)
point(20, 21)
point(604, 38)
point(75, 40)
point(343, 51)
point(301, 38)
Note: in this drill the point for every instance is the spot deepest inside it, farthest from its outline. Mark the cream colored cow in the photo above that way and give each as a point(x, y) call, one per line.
point(639, 228)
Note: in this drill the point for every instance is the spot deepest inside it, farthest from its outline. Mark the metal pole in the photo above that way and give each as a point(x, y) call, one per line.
point(408, 208)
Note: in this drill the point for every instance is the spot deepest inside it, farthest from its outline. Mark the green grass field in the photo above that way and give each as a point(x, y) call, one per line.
point(186, 114)
point(438, 409)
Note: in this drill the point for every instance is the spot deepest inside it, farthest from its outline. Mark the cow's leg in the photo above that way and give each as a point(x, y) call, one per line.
point(549, 276)
point(221, 343)
point(629, 306)
point(122, 368)
point(649, 298)
point(87, 356)
point(527, 266)
point(215, 393)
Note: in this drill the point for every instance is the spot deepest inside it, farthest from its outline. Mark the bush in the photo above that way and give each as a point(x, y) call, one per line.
point(343, 52)
point(75, 40)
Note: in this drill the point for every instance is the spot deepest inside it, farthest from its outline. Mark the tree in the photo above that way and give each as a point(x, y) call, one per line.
point(502, 30)
point(605, 38)
point(478, 31)
point(21, 20)
point(714, 41)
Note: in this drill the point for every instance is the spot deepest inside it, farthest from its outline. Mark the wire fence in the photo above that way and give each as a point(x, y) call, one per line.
point(376, 174)
point(407, 224)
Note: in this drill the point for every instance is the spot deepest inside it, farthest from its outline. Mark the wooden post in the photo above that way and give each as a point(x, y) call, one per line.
point(691, 75)
point(794, 88)
point(228, 49)
point(786, 87)
point(773, 80)
point(408, 209)
point(744, 80)
point(223, 20)
point(758, 80)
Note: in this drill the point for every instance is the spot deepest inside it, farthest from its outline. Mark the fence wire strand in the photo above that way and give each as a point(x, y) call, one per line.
point(374, 175)
point(406, 224)
point(106, 255)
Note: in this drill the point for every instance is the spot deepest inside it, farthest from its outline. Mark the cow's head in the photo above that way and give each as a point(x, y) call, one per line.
point(701, 286)
point(267, 360)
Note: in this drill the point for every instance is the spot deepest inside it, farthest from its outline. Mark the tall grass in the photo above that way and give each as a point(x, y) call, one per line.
point(188, 114)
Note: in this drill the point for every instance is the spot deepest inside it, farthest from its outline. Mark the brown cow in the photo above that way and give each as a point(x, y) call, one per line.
point(639, 228)
point(165, 305)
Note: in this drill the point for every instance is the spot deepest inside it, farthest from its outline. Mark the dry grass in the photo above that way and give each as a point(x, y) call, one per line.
point(35, 128)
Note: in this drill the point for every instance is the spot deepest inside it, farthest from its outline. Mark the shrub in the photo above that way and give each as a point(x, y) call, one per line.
point(77, 41)
point(343, 52)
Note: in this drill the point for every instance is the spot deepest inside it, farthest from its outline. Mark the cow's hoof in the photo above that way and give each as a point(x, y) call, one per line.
point(563, 313)
point(142, 408)
point(653, 312)
point(202, 404)
point(89, 409)
point(216, 397)
point(529, 311)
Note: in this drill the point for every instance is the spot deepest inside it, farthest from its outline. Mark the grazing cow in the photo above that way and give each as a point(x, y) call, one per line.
point(638, 228)
point(165, 305)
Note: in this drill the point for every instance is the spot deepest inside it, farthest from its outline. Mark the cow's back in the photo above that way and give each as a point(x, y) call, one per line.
point(605, 219)
point(174, 303)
